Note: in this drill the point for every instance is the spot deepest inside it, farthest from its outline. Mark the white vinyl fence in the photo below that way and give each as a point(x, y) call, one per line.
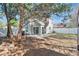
point(67, 30)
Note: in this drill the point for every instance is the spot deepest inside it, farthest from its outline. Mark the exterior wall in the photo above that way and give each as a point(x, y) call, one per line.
point(49, 28)
point(31, 30)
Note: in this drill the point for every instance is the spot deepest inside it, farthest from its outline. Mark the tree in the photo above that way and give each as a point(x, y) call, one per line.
point(10, 11)
point(78, 31)
point(9, 32)
point(14, 23)
point(38, 11)
point(21, 22)
point(44, 11)
point(47, 9)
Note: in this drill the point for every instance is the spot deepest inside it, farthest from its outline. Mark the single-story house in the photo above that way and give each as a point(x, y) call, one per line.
point(60, 25)
point(36, 27)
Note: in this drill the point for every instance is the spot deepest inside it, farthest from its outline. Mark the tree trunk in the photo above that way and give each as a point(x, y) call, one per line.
point(77, 33)
point(21, 22)
point(9, 30)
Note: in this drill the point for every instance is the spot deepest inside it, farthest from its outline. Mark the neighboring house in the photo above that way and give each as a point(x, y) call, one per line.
point(36, 27)
point(60, 25)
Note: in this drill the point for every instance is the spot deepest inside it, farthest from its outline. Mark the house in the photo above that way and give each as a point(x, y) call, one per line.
point(37, 27)
point(49, 27)
point(60, 25)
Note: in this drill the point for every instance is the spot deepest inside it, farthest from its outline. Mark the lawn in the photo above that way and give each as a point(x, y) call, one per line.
point(64, 36)
point(51, 45)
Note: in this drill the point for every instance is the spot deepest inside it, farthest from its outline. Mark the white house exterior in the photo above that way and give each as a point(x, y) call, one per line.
point(36, 27)
point(49, 28)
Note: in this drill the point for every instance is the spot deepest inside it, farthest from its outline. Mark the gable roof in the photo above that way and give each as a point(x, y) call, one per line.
point(40, 22)
point(37, 21)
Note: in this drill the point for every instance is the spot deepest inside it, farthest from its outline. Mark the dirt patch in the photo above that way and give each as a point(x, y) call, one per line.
point(32, 46)
point(42, 52)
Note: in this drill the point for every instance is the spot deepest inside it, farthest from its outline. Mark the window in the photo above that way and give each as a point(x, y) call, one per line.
point(49, 28)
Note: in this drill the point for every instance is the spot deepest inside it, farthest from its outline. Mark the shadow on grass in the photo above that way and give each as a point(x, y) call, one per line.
point(42, 52)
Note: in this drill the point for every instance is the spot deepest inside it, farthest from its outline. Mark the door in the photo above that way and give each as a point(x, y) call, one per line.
point(36, 30)
point(43, 30)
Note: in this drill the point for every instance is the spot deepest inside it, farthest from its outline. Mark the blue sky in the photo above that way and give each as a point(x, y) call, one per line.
point(58, 19)
point(54, 18)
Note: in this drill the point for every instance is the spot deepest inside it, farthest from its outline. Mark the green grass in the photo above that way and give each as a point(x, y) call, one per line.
point(62, 36)
point(70, 35)
point(78, 35)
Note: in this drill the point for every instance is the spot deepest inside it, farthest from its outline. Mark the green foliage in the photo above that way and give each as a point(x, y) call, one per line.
point(14, 22)
point(39, 10)
point(12, 9)
point(43, 10)
point(28, 6)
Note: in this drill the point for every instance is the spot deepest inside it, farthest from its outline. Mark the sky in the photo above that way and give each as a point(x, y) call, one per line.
point(55, 19)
